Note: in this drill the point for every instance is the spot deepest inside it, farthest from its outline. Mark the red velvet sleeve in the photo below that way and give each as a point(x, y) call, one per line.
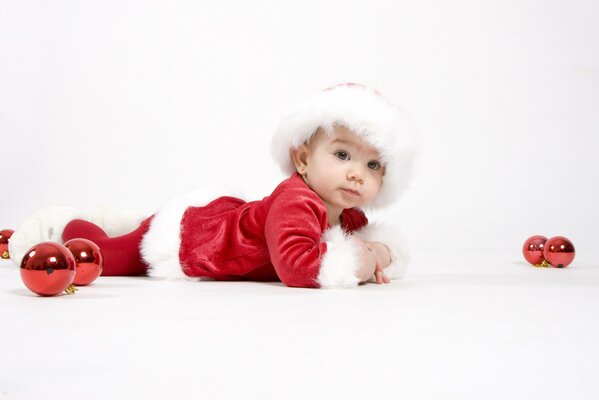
point(293, 231)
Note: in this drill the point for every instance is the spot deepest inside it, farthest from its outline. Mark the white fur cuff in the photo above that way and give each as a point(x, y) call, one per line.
point(340, 262)
point(400, 256)
point(44, 225)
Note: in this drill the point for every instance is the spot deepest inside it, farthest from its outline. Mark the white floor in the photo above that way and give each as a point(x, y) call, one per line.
point(460, 326)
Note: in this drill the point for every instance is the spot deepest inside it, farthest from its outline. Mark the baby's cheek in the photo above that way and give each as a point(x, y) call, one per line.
point(374, 191)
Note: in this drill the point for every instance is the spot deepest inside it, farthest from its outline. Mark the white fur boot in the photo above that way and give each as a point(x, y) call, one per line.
point(47, 224)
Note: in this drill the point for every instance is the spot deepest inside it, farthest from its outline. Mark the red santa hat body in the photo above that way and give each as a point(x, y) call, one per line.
point(366, 113)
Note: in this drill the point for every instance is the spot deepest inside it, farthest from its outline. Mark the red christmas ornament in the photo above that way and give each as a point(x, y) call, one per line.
point(4, 237)
point(559, 251)
point(48, 268)
point(89, 260)
point(533, 249)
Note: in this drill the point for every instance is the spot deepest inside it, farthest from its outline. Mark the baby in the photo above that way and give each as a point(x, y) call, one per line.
point(343, 149)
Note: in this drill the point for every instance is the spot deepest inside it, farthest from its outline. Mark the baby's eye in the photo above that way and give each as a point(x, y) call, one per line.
point(342, 155)
point(374, 165)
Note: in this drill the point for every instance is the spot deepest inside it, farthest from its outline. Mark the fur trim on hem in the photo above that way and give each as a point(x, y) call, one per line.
point(340, 262)
point(400, 255)
point(160, 245)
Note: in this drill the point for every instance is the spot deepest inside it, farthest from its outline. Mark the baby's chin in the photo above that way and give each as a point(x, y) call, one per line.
point(346, 204)
point(337, 200)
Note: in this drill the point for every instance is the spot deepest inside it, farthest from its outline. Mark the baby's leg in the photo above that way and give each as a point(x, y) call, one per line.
point(48, 223)
point(121, 254)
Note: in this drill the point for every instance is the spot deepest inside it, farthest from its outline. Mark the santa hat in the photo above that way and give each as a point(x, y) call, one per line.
point(365, 112)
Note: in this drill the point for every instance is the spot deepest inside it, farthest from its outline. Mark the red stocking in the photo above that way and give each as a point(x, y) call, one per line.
point(121, 253)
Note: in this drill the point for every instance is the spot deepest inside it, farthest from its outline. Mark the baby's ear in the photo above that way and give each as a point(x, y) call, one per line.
point(299, 156)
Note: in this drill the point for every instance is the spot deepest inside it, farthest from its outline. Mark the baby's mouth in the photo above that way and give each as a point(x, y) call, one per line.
point(351, 192)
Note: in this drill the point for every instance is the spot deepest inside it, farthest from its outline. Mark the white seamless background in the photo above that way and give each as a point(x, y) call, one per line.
point(128, 103)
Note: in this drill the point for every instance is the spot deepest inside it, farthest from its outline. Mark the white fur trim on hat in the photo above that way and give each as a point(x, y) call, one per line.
point(363, 111)
point(340, 262)
point(160, 245)
point(398, 249)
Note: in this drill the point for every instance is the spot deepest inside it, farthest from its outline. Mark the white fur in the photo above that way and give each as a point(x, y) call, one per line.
point(365, 112)
point(340, 263)
point(400, 256)
point(160, 245)
point(116, 222)
point(47, 224)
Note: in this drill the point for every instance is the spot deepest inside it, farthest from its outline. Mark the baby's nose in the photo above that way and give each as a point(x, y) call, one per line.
point(355, 173)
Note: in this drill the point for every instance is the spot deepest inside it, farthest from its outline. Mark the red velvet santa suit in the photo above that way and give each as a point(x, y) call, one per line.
point(285, 236)
point(277, 238)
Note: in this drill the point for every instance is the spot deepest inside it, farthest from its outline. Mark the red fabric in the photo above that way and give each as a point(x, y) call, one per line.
point(121, 254)
point(277, 238)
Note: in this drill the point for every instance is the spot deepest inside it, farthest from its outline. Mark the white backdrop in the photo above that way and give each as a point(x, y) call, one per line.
point(128, 103)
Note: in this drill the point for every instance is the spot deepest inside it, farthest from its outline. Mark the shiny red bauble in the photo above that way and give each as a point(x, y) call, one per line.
point(88, 258)
point(533, 249)
point(48, 268)
point(559, 251)
point(5, 235)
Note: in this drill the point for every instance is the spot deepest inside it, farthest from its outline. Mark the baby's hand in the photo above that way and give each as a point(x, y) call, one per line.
point(368, 262)
point(382, 253)
point(383, 259)
point(374, 257)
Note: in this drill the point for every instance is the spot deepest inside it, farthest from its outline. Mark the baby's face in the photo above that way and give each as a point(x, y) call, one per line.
point(342, 168)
